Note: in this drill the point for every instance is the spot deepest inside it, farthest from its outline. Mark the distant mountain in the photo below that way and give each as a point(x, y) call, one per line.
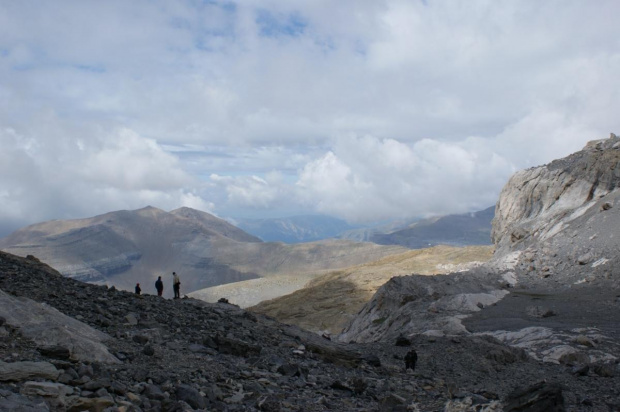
point(453, 230)
point(127, 247)
point(295, 229)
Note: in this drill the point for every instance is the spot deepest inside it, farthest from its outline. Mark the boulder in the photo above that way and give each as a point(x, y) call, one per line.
point(47, 327)
point(20, 371)
point(540, 397)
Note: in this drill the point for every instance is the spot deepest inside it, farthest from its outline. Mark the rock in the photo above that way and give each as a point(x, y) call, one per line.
point(131, 319)
point(20, 371)
point(566, 355)
point(585, 258)
point(49, 327)
point(55, 351)
point(540, 397)
point(236, 347)
point(79, 404)
point(268, 403)
point(580, 370)
point(141, 339)
point(402, 341)
point(47, 389)
point(606, 206)
point(584, 341)
point(191, 396)
point(606, 370)
point(20, 403)
point(392, 403)
point(148, 350)
point(540, 312)
point(154, 392)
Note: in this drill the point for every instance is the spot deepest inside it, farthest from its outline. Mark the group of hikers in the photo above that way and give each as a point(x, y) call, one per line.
point(159, 286)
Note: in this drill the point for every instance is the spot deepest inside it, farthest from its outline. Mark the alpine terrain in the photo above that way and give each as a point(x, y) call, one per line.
point(537, 328)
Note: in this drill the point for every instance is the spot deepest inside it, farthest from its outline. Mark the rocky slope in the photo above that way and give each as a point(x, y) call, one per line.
point(182, 355)
point(128, 247)
point(553, 286)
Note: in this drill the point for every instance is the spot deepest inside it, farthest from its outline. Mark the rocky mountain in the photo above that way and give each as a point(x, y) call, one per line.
point(453, 230)
point(552, 287)
point(294, 229)
point(128, 247)
point(126, 352)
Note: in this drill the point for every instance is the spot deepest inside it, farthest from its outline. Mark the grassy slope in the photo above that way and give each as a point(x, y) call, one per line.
point(328, 302)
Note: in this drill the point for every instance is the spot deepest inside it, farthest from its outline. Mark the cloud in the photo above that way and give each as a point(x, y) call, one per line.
point(364, 109)
point(368, 179)
point(63, 177)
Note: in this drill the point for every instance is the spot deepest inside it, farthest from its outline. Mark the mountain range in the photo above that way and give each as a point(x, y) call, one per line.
point(128, 247)
point(455, 230)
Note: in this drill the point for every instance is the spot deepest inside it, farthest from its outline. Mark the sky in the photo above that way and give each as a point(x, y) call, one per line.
point(365, 110)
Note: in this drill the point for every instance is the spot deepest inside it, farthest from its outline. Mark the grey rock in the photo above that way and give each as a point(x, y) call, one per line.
point(191, 396)
point(20, 371)
point(55, 351)
point(540, 397)
point(46, 389)
point(606, 370)
point(49, 327)
point(13, 402)
point(154, 392)
point(79, 404)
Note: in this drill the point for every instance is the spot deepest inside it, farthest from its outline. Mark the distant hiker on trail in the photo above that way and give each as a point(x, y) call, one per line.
point(159, 285)
point(138, 290)
point(176, 285)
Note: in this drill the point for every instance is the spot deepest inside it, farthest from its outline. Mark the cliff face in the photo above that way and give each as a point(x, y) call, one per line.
point(538, 203)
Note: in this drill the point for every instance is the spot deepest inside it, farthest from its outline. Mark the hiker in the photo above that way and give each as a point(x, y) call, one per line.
point(411, 359)
point(159, 285)
point(138, 290)
point(176, 285)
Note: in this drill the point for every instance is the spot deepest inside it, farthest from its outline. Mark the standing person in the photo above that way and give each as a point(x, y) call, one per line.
point(138, 290)
point(159, 285)
point(176, 285)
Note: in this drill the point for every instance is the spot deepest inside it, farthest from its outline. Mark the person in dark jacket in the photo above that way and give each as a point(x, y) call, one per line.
point(138, 290)
point(159, 285)
point(176, 285)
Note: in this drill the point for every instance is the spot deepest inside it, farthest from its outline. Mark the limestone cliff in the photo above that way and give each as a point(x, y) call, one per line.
point(538, 203)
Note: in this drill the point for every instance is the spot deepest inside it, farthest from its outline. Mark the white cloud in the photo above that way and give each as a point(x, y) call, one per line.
point(371, 179)
point(365, 109)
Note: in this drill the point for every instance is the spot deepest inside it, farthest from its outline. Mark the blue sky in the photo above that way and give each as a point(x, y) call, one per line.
point(363, 110)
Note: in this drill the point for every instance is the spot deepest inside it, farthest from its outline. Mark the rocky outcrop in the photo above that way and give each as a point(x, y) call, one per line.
point(47, 327)
point(538, 203)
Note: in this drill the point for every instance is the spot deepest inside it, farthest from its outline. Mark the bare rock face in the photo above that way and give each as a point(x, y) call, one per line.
point(48, 327)
point(540, 202)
